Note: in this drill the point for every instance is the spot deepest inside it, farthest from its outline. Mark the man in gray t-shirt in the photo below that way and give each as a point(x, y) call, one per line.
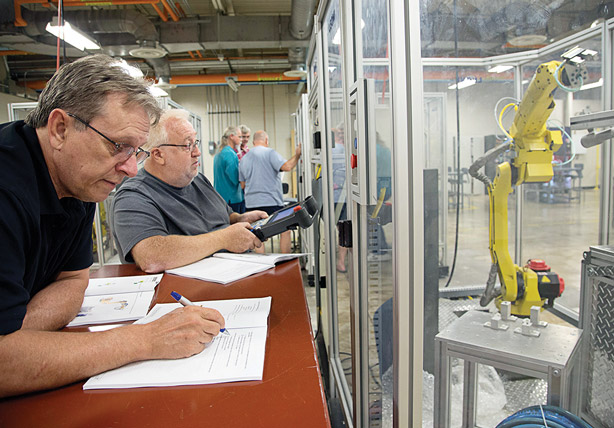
point(259, 174)
point(169, 215)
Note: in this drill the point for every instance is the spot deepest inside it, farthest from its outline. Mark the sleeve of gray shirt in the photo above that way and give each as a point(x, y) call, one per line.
point(135, 217)
point(276, 160)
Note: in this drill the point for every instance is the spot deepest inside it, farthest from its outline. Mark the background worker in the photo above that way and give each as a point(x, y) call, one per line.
point(245, 134)
point(259, 174)
point(226, 170)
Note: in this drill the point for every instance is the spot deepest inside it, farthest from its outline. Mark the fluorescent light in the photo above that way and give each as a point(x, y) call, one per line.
point(157, 91)
point(71, 35)
point(596, 84)
point(233, 84)
point(500, 68)
point(464, 84)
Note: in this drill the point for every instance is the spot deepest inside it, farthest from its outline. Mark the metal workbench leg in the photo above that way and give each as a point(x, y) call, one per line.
point(441, 405)
point(554, 387)
point(470, 381)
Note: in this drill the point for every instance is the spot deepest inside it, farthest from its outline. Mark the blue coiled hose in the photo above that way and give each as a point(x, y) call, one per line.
point(533, 417)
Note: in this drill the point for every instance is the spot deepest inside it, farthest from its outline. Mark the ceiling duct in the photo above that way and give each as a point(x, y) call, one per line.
point(301, 26)
point(162, 69)
point(301, 18)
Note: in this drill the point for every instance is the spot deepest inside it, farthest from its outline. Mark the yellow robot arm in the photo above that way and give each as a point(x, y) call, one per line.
point(534, 146)
point(533, 142)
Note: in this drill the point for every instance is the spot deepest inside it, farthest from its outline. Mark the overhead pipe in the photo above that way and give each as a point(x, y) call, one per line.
point(195, 79)
point(210, 79)
point(20, 21)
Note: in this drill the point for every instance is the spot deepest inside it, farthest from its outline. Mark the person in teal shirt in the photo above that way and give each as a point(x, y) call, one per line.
point(226, 170)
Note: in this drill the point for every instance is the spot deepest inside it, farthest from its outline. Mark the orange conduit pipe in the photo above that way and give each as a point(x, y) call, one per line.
point(205, 79)
point(170, 10)
point(196, 79)
point(160, 12)
point(20, 22)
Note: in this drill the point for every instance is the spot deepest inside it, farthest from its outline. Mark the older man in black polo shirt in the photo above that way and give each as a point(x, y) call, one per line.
point(82, 139)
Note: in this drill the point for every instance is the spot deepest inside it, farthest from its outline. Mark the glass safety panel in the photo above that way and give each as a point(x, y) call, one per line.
point(464, 118)
point(561, 216)
point(378, 215)
point(471, 116)
point(338, 188)
point(461, 45)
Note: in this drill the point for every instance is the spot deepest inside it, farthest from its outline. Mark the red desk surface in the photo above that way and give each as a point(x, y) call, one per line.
point(291, 393)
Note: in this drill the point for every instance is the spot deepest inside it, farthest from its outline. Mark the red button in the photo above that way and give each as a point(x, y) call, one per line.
point(353, 161)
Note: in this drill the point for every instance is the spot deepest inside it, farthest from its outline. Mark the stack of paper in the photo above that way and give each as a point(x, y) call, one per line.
point(229, 267)
point(116, 299)
point(238, 356)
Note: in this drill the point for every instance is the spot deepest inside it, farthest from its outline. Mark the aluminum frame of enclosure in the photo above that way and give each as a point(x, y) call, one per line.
point(363, 174)
point(304, 174)
point(341, 384)
point(339, 387)
point(408, 260)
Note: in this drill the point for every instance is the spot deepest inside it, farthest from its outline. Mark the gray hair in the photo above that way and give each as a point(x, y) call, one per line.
point(158, 134)
point(244, 129)
point(231, 130)
point(82, 87)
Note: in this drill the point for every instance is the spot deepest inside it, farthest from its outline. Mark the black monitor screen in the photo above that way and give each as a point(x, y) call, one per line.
point(283, 214)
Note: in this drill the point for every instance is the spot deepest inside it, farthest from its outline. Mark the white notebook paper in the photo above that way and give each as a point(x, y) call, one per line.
point(116, 299)
point(238, 356)
point(228, 267)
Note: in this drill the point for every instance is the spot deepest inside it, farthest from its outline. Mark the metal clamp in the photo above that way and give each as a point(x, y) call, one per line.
point(496, 324)
point(526, 329)
point(535, 317)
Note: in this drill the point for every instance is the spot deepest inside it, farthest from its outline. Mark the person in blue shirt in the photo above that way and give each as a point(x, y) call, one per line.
point(260, 176)
point(226, 170)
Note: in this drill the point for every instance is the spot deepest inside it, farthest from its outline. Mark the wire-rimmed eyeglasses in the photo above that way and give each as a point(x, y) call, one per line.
point(187, 147)
point(122, 151)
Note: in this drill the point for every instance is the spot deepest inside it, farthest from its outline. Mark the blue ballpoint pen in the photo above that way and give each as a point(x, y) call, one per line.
point(186, 302)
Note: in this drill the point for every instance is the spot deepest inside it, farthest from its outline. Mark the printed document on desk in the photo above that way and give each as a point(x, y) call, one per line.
point(270, 259)
point(228, 267)
point(238, 356)
point(122, 284)
point(116, 299)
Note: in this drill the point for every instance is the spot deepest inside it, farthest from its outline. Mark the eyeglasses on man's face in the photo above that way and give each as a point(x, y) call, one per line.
point(187, 147)
point(121, 151)
point(245, 137)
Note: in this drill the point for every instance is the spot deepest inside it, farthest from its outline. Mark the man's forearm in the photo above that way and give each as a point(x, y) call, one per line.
point(57, 304)
point(158, 253)
point(291, 163)
point(34, 360)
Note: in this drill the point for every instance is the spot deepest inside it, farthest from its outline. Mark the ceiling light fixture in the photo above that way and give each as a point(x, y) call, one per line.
point(500, 68)
point(464, 83)
point(157, 92)
point(71, 35)
point(232, 83)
